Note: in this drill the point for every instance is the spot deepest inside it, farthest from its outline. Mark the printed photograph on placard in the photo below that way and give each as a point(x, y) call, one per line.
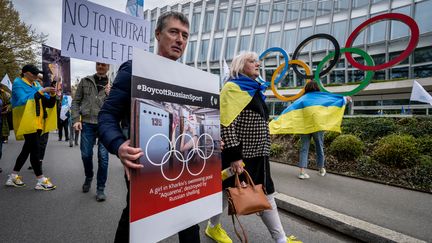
point(181, 146)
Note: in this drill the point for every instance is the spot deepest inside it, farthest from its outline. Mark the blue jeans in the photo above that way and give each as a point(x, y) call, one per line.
point(88, 139)
point(305, 139)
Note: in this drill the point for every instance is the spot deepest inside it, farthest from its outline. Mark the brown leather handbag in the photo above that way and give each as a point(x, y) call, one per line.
point(245, 199)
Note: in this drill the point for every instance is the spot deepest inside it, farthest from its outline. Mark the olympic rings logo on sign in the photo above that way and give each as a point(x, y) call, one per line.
point(335, 56)
point(179, 155)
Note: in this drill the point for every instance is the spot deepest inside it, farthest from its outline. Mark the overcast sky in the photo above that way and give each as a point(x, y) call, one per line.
point(45, 16)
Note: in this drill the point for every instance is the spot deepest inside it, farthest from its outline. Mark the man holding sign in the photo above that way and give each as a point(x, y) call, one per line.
point(172, 32)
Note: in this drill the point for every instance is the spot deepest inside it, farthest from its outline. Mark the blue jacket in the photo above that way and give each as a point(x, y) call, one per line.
point(114, 116)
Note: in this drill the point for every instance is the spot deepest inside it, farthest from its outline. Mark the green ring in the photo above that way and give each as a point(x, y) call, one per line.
point(363, 84)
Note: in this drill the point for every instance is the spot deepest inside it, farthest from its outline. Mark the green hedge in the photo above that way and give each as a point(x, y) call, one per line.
point(399, 151)
point(346, 147)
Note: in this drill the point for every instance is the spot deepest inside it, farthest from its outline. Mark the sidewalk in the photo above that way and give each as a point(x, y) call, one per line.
point(396, 209)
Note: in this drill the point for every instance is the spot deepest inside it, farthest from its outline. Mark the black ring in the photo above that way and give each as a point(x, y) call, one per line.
point(332, 63)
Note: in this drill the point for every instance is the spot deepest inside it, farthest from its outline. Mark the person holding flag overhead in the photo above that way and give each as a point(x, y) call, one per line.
point(245, 132)
point(309, 116)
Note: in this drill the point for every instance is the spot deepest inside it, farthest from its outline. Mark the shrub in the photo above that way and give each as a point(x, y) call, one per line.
point(276, 149)
point(329, 137)
point(366, 166)
point(399, 151)
point(423, 173)
point(415, 126)
point(425, 145)
point(369, 129)
point(346, 147)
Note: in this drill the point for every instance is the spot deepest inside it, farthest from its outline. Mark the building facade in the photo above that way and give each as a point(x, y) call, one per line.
point(222, 28)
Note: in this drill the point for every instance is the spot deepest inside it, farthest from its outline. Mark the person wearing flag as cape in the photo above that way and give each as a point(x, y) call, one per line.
point(245, 133)
point(309, 116)
point(34, 114)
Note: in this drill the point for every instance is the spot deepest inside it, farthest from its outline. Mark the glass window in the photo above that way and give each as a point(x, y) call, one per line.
point(377, 31)
point(221, 19)
point(305, 33)
point(359, 3)
point(396, 54)
point(321, 44)
point(341, 5)
point(379, 75)
point(274, 39)
point(244, 43)
point(249, 16)
point(293, 11)
point(152, 29)
point(339, 30)
point(422, 16)
point(191, 51)
point(360, 37)
point(308, 9)
point(396, 73)
point(379, 59)
point(355, 75)
point(288, 81)
point(422, 55)
point(289, 40)
point(423, 71)
point(279, 107)
point(229, 50)
point(258, 45)
point(235, 18)
point(216, 49)
point(203, 50)
point(337, 76)
point(263, 14)
point(278, 11)
point(399, 29)
point(195, 23)
point(208, 21)
point(324, 8)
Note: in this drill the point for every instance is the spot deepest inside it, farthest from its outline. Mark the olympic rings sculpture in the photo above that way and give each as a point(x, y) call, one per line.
point(369, 68)
point(179, 155)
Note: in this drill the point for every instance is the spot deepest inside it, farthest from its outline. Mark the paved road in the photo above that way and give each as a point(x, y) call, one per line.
point(68, 215)
point(401, 210)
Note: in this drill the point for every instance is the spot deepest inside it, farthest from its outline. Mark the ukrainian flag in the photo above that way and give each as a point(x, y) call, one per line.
point(313, 112)
point(236, 94)
point(24, 116)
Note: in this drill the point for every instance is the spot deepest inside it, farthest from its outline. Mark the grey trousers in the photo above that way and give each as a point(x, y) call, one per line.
point(270, 218)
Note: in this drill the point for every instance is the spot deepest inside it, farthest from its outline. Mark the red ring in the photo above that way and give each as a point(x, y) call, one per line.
point(415, 33)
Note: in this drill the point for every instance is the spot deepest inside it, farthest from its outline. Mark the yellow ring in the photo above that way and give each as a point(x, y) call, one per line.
point(294, 97)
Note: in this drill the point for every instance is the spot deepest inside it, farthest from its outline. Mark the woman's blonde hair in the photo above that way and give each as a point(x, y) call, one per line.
point(239, 61)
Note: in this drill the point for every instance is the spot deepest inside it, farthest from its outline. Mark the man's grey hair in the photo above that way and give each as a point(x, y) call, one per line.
point(239, 62)
point(162, 20)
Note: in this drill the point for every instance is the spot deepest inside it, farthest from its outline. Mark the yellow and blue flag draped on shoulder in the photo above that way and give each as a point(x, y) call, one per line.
point(24, 105)
point(313, 112)
point(236, 94)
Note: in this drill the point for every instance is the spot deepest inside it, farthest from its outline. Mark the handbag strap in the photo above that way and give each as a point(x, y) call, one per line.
point(249, 180)
point(241, 226)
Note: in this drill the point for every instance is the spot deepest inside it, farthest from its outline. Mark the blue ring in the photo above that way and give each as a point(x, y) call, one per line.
point(284, 70)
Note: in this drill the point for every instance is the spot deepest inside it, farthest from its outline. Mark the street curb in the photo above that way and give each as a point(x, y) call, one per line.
point(348, 225)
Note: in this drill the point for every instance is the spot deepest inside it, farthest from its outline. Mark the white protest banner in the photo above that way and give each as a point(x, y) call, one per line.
point(176, 123)
point(96, 33)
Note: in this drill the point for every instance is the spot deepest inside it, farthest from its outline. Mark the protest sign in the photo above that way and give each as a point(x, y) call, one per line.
point(56, 70)
point(175, 120)
point(96, 33)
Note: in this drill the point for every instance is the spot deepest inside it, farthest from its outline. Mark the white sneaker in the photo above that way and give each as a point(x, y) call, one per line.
point(45, 185)
point(303, 176)
point(15, 181)
point(322, 171)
